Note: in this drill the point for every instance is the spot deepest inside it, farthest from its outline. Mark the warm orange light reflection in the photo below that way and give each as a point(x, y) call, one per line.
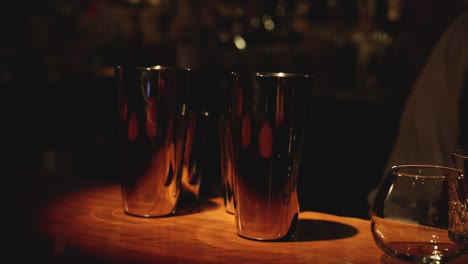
point(265, 140)
point(246, 131)
point(124, 111)
point(149, 188)
point(187, 172)
point(161, 83)
point(132, 127)
point(87, 220)
point(280, 108)
point(151, 121)
point(239, 101)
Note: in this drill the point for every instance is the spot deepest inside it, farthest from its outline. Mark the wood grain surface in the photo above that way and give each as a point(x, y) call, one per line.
point(89, 226)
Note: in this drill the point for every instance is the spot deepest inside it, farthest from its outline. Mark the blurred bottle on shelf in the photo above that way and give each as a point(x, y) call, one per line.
point(375, 38)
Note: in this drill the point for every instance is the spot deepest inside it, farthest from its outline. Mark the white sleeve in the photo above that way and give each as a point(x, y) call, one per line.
point(429, 126)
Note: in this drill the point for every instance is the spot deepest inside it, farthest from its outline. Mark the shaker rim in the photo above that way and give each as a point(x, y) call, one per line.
point(152, 67)
point(278, 74)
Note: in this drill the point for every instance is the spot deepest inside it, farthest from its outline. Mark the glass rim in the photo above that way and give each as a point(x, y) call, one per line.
point(278, 74)
point(460, 152)
point(396, 170)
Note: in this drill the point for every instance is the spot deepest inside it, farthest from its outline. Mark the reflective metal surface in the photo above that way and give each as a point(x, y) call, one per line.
point(269, 121)
point(152, 113)
point(460, 161)
point(227, 170)
point(195, 151)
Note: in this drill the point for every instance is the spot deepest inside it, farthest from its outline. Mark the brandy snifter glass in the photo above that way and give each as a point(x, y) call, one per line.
point(419, 214)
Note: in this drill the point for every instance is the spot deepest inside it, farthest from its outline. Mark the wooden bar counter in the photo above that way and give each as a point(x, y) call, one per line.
point(87, 225)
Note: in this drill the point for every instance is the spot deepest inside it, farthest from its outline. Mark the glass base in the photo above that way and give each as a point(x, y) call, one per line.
point(387, 259)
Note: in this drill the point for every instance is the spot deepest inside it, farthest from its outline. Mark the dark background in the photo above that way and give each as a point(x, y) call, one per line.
point(58, 97)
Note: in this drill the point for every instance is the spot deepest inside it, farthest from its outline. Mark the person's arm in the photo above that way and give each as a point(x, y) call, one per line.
point(430, 127)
